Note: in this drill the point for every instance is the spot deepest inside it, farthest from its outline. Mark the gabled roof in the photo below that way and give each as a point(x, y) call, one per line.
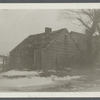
point(38, 40)
point(79, 39)
point(77, 35)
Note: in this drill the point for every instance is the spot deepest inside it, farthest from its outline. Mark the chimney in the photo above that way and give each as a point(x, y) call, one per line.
point(48, 30)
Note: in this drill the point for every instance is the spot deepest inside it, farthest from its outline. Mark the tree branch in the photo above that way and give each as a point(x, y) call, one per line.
point(83, 23)
point(88, 14)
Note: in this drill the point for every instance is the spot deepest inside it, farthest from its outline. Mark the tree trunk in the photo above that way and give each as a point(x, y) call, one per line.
point(90, 33)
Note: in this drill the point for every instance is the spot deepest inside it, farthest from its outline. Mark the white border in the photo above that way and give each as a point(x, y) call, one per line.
point(49, 94)
point(49, 6)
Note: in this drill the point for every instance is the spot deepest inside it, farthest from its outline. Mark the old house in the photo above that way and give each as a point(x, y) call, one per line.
point(49, 50)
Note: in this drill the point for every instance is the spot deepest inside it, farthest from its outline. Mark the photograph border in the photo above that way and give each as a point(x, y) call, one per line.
point(50, 6)
point(49, 1)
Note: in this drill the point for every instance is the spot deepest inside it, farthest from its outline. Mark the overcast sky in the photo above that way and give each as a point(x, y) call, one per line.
point(16, 25)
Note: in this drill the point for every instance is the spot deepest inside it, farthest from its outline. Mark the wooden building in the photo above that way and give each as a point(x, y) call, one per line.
point(49, 50)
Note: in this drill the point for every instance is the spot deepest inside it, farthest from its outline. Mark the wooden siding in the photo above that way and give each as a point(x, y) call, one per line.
point(53, 55)
point(61, 53)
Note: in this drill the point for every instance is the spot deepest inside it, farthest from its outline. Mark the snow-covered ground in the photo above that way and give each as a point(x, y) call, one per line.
point(22, 79)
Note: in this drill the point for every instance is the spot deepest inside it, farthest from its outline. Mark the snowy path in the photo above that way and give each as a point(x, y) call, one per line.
point(31, 81)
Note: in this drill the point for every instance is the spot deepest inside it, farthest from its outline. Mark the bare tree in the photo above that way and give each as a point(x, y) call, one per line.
point(89, 19)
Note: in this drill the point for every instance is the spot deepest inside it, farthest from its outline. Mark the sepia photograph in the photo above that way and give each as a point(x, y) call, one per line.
point(49, 50)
